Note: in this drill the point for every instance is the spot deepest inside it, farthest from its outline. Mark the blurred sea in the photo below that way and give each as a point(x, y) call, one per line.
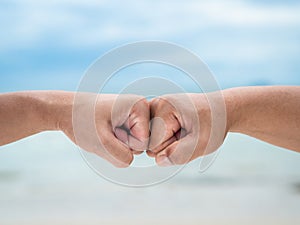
point(44, 180)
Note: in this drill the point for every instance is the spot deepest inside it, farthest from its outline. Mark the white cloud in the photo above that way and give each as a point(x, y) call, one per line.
point(93, 22)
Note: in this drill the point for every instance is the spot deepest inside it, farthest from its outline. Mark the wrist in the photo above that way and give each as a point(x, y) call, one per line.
point(54, 109)
point(232, 102)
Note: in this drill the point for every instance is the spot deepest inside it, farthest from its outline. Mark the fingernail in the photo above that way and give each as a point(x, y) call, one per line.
point(165, 161)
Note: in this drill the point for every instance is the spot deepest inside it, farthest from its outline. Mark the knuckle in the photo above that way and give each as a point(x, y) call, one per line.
point(160, 102)
point(139, 101)
point(143, 101)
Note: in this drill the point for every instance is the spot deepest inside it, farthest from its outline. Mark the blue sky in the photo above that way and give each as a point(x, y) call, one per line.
point(49, 44)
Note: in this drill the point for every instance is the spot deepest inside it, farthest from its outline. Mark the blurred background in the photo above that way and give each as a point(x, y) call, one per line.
point(48, 45)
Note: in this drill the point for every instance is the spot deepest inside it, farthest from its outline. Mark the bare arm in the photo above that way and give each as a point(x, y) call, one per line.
point(271, 114)
point(26, 113)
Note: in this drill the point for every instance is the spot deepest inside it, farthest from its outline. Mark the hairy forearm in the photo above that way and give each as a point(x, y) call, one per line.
point(26, 113)
point(271, 114)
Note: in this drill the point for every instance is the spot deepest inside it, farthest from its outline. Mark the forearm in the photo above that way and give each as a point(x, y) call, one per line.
point(271, 114)
point(26, 113)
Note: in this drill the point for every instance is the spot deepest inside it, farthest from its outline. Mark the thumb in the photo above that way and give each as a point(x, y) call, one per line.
point(178, 153)
point(138, 126)
point(163, 130)
point(164, 125)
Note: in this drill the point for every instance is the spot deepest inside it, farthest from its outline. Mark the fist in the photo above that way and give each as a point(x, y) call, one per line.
point(182, 127)
point(120, 127)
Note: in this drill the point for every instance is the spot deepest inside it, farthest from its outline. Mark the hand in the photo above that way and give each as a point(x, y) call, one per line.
point(182, 128)
point(121, 126)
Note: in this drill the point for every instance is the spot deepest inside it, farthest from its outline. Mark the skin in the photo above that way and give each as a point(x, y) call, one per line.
point(182, 132)
point(181, 127)
point(271, 114)
point(26, 113)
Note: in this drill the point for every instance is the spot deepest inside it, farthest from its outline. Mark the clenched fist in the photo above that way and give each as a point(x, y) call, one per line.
point(120, 128)
point(186, 126)
point(183, 126)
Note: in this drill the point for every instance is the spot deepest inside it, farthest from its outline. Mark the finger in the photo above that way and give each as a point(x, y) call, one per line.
point(180, 134)
point(136, 144)
point(136, 152)
point(128, 110)
point(119, 154)
point(134, 128)
point(164, 145)
point(164, 123)
point(178, 153)
point(133, 143)
point(122, 135)
point(138, 123)
point(163, 126)
point(151, 154)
